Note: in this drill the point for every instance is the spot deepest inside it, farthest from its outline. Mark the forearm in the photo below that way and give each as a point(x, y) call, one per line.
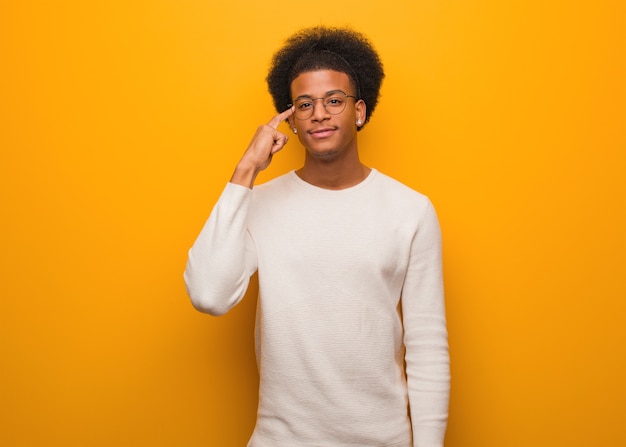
point(265, 143)
point(428, 377)
point(245, 174)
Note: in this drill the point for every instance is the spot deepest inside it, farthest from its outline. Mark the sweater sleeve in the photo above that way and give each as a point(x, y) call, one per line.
point(222, 258)
point(425, 335)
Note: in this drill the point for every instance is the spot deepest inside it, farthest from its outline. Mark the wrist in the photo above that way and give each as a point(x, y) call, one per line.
point(244, 175)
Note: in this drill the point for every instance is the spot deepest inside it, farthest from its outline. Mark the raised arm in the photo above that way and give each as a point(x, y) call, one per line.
point(266, 142)
point(223, 257)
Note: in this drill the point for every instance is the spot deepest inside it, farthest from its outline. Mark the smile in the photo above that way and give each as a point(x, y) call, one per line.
point(322, 133)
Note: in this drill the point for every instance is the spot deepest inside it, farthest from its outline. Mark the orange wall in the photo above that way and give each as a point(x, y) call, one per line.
point(121, 121)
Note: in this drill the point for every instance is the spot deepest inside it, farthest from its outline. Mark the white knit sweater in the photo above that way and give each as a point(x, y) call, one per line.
point(351, 330)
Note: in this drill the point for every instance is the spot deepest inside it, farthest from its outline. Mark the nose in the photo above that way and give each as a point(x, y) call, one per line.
point(319, 110)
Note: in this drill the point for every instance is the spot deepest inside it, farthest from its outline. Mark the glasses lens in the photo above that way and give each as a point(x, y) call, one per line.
point(334, 103)
point(304, 108)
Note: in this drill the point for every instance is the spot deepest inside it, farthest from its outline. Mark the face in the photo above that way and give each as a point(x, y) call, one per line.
point(325, 135)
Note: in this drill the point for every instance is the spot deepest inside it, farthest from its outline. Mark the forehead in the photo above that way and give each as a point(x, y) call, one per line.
point(318, 83)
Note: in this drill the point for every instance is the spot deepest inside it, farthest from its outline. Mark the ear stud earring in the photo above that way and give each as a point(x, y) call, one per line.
point(295, 130)
point(359, 122)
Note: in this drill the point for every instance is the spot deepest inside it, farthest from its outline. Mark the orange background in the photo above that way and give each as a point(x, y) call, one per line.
point(121, 121)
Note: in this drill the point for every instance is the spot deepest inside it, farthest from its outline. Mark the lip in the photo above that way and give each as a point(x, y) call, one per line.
point(324, 132)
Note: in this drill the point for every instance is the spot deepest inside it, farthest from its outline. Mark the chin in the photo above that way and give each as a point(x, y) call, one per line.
point(325, 155)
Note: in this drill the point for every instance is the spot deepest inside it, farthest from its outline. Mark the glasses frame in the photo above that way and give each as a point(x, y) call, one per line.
point(327, 95)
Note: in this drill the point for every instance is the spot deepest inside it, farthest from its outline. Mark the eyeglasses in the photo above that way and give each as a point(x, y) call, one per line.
point(334, 103)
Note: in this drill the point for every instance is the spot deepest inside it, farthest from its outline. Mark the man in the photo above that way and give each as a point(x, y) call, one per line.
point(351, 330)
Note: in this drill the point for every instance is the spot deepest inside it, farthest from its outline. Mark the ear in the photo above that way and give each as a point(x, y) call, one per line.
point(292, 122)
point(361, 112)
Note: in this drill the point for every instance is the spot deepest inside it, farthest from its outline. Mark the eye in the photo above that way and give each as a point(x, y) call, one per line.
point(304, 105)
point(334, 101)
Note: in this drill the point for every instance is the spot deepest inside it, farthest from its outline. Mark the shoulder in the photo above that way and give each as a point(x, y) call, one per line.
point(277, 193)
point(399, 194)
point(272, 187)
point(410, 207)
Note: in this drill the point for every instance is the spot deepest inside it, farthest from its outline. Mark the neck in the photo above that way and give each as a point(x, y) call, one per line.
point(336, 174)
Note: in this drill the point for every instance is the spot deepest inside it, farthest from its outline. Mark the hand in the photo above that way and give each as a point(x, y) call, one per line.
point(265, 143)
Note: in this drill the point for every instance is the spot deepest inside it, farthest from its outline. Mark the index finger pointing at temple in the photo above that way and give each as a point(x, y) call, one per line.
point(274, 122)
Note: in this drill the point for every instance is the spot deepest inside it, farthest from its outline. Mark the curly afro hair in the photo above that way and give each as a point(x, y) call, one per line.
point(325, 48)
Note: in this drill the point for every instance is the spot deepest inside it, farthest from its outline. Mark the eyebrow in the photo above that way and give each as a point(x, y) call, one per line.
point(325, 95)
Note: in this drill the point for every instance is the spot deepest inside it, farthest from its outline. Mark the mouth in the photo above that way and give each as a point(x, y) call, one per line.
point(322, 133)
